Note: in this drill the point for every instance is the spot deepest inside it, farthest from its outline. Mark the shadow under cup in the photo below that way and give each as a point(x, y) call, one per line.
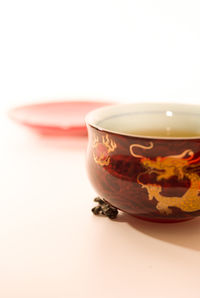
point(144, 159)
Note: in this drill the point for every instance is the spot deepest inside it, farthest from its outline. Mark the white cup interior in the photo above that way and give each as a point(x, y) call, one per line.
point(148, 120)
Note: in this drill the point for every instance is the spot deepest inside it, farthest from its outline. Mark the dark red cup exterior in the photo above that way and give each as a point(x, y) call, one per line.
point(151, 178)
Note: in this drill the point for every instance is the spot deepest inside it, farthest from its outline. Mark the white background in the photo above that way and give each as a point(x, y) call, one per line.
point(119, 50)
point(51, 246)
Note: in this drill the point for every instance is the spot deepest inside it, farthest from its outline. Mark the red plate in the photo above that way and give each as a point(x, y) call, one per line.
point(56, 118)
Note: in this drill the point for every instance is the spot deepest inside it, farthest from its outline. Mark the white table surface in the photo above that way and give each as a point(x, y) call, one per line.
point(52, 246)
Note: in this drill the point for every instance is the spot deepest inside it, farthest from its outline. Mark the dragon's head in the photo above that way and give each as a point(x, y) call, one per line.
point(165, 167)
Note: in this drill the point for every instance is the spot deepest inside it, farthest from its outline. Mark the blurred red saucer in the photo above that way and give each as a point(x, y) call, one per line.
point(56, 118)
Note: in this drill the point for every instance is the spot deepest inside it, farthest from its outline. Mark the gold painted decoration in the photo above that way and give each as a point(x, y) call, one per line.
point(102, 149)
point(181, 165)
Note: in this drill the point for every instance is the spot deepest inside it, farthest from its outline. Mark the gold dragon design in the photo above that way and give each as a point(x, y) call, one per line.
point(181, 166)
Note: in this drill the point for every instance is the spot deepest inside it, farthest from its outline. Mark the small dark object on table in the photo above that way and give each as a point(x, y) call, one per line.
point(104, 208)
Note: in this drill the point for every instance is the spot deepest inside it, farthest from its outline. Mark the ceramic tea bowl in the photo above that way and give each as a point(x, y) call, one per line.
point(144, 159)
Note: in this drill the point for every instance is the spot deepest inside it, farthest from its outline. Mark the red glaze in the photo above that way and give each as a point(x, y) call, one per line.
point(157, 180)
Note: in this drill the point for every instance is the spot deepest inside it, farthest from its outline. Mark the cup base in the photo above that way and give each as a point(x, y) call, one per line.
point(160, 220)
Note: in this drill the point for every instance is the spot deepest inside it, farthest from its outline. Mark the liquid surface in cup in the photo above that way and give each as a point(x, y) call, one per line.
point(164, 133)
point(149, 120)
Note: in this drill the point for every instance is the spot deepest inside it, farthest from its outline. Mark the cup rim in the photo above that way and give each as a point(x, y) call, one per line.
point(90, 115)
